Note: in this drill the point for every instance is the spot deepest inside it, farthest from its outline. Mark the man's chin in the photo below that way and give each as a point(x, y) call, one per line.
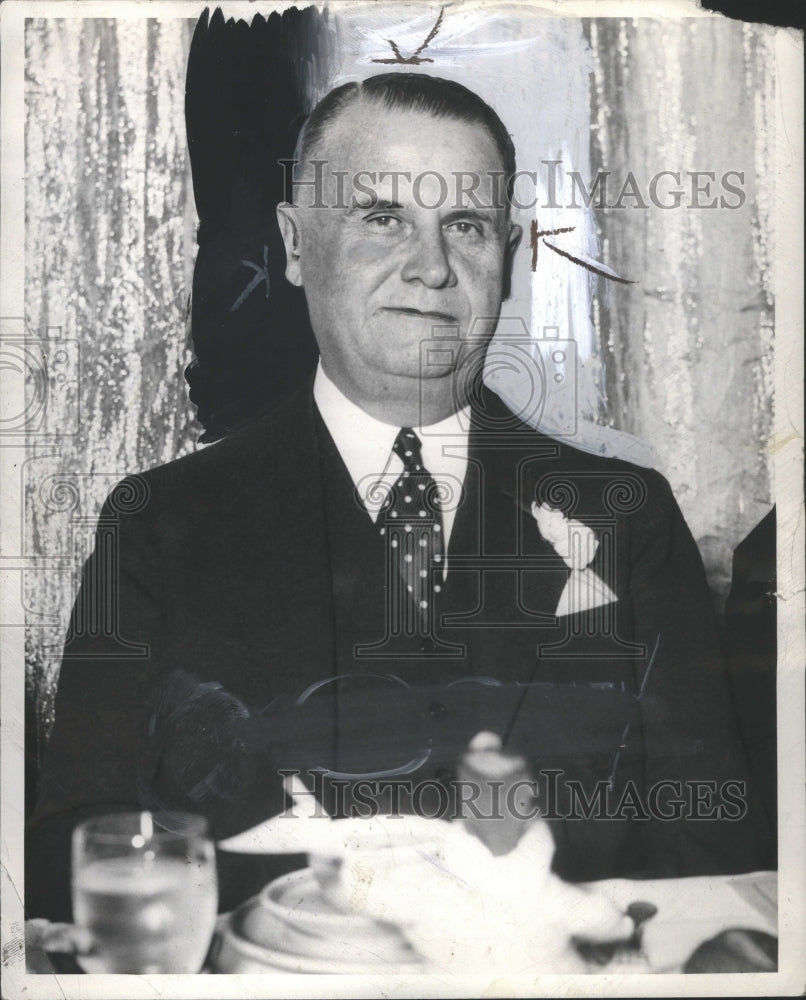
point(420, 372)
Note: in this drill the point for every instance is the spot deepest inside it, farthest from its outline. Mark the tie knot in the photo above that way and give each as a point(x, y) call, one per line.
point(407, 447)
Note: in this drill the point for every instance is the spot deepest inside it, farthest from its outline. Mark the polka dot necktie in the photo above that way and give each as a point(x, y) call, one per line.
point(411, 521)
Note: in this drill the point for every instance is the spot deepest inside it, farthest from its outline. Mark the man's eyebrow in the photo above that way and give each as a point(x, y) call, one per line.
point(373, 203)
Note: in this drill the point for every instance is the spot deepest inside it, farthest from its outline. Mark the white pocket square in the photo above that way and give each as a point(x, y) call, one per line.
point(583, 591)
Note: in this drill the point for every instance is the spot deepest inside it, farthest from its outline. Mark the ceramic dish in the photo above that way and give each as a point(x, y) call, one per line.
point(291, 927)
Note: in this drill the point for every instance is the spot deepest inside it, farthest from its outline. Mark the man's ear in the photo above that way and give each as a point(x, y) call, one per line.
point(513, 242)
point(288, 220)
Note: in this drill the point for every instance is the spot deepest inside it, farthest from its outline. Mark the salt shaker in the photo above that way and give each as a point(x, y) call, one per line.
point(498, 795)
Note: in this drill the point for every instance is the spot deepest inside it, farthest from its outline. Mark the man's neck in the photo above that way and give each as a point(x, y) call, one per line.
point(408, 402)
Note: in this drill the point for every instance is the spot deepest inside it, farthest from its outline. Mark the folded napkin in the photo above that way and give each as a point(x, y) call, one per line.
point(464, 909)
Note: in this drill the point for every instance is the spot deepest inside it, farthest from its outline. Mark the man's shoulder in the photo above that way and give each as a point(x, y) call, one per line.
point(241, 460)
point(554, 471)
point(496, 419)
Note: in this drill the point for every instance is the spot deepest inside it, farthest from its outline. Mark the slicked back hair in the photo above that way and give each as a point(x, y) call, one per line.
point(429, 95)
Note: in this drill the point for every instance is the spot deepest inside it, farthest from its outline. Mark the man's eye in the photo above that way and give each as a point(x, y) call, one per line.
point(465, 228)
point(383, 221)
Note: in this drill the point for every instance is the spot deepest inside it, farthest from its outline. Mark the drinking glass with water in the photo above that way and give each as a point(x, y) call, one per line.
point(145, 892)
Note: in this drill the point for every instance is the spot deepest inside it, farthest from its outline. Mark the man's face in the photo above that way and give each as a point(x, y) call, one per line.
point(392, 261)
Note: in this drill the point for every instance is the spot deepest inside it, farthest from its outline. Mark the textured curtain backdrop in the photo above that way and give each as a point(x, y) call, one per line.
point(110, 243)
point(688, 350)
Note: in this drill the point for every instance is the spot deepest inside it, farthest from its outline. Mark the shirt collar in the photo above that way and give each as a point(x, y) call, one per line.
point(365, 443)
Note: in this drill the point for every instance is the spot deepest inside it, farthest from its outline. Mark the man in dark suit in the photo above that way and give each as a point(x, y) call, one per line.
point(391, 560)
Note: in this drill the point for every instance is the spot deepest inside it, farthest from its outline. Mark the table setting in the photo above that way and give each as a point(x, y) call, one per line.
point(400, 894)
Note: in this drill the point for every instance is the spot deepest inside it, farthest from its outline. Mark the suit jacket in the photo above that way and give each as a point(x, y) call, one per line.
point(213, 608)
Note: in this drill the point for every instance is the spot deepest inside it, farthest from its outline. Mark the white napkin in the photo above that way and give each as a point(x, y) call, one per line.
point(464, 909)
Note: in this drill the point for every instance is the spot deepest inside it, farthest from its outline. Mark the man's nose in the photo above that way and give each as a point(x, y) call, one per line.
point(427, 261)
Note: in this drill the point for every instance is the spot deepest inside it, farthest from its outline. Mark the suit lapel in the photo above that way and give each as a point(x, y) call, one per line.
point(504, 580)
point(285, 492)
point(503, 467)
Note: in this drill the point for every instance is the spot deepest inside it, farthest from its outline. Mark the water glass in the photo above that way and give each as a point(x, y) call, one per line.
point(145, 892)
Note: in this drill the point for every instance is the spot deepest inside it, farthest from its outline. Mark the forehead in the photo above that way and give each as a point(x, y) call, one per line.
point(368, 138)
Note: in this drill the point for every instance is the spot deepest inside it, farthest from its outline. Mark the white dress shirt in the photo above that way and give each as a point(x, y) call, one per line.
point(365, 445)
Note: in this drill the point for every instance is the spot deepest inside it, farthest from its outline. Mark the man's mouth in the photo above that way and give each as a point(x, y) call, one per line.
point(429, 314)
